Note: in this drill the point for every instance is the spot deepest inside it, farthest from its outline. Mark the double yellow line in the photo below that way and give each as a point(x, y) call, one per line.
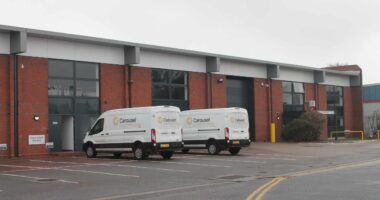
point(261, 191)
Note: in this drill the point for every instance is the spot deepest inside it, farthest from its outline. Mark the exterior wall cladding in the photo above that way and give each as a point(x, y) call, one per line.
point(131, 86)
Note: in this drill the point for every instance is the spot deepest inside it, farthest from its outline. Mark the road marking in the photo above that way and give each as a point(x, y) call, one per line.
point(261, 191)
point(97, 172)
point(188, 163)
point(219, 159)
point(284, 155)
point(37, 178)
point(1, 190)
point(112, 165)
point(160, 191)
point(24, 166)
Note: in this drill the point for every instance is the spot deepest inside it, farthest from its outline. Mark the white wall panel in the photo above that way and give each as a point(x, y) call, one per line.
point(297, 75)
point(164, 60)
point(4, 43)
point(59, 49)
point(337, 79)
point(236, 68)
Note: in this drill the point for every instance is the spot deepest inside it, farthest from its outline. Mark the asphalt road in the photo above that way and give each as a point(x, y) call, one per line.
point(262, 171)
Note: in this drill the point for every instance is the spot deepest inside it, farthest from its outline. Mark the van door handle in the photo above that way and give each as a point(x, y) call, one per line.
point(102, 134)
point(107, 133)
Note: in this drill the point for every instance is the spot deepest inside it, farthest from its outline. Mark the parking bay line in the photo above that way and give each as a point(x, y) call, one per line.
point(38, 178)
point(188, 163)
point(112, 165)
point(219, 159)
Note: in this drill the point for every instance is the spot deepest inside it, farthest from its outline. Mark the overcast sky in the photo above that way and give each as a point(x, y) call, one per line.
point(315, 33)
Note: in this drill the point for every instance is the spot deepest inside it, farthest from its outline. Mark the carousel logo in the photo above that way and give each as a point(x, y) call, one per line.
point(201, 120)
point(189, 120)
point(237, 120)
point(118, 120)
point(163, 119)
point(115, 121)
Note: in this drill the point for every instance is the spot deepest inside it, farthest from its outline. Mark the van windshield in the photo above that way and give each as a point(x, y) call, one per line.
point(167, 119)
point(238, 120)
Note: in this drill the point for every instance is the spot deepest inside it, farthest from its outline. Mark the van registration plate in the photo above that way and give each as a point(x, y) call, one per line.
point(235, 142)
point(164, 145)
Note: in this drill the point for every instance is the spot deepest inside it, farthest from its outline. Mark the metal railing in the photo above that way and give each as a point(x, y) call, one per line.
point(361, 133)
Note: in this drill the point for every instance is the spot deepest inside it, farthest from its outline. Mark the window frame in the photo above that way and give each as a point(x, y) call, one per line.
point(170, 86)
point(293, 93)
point(92, 131)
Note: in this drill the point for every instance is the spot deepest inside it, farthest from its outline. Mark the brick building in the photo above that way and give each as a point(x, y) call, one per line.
point(54, 85)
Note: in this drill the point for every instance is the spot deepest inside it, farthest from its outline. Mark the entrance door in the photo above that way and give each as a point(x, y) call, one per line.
point(240, 94)
point(61, 132)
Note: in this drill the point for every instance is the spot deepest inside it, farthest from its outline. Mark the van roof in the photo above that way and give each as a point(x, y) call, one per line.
point(147, 108)
point(216, 110)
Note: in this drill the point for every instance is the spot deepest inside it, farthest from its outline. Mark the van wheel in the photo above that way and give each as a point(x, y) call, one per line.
point(234, 150)
point(117, 155)
point(185, 150)
point(166, 154)
point(139, 152)
point(91, 151)
point(213, 148)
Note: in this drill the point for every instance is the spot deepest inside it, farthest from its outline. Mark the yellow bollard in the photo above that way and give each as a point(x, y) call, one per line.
point(273, 133)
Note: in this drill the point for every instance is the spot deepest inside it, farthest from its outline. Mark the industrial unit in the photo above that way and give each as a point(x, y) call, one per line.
point(54, 85)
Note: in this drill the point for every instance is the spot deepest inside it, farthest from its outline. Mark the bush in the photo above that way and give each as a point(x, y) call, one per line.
point(306, 128)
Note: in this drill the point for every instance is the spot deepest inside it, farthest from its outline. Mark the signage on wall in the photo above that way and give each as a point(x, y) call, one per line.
point(50, 145)
point(3, 147)
point(36, 139)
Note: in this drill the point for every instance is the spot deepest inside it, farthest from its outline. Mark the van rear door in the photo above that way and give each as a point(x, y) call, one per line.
point(238, 125)
point(167, 126)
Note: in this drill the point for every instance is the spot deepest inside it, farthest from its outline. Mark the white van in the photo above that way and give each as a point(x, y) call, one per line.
point(142, 130)
point(215, 129)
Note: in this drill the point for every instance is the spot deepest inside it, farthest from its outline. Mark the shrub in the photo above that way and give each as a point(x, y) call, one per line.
point(306, 128)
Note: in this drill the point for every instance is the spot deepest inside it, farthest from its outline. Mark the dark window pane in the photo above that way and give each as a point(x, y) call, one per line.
point(297, 99)
point(98, 127)
point(287, 98)
point(61, 68)
point(178, 93)
point(87, 106)
point(87, 89)
point(60, 106)
point(87, 70)
point(178, 77)
point(160, 92)
point(286, 86)
point(160, 76)
point(298, 87)
point(61, 87)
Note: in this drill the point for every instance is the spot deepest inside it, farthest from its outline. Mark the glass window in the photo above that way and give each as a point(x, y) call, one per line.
point(86, 70)
point(287, 98)
point(61, 87)
point(298, 87)
point(287, 86)
point(60, 106)
point(161, 92)
point(178, 77)
point(160, 76)
point(297, 99)
point(61, 68)
point(98, 127)
point(87, 106)
point(179, 93)
point(87, 88)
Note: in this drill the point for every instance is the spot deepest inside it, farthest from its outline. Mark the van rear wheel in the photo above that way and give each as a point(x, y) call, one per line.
point(166, 154)
point(213, 148)
point(234, 150)
point(139, 152)
point(90, 151)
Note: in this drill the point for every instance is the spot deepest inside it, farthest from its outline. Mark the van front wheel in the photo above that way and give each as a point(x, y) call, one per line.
point(166, 154)
point(139, 152)
point(90, 151)
point(234, 150)
point(213, 148)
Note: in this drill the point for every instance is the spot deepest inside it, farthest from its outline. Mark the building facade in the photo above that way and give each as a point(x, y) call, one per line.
point(371, 109)
point(54, 85)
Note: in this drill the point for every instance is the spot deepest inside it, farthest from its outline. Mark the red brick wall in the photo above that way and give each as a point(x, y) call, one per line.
point(347, 108)
point(357, 107)
point(277, 105)
point(33, 100)
point(309, 93)
point(141, 87)
point(218, 91)
point(261, 110)
point(4, 104)
point(113, 87)
point(197, 90)
point(321, 104)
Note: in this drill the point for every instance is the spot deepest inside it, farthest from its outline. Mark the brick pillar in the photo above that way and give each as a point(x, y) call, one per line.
point(309, 94)
point(218, 91)
point(113, 87)
point(141, 94)
point(33, 100)
point(347, 108)
point(197, 90)
point(261, 109)
point(4, 105)
point(321, 104)
point(357, 107)
point(277, 105)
